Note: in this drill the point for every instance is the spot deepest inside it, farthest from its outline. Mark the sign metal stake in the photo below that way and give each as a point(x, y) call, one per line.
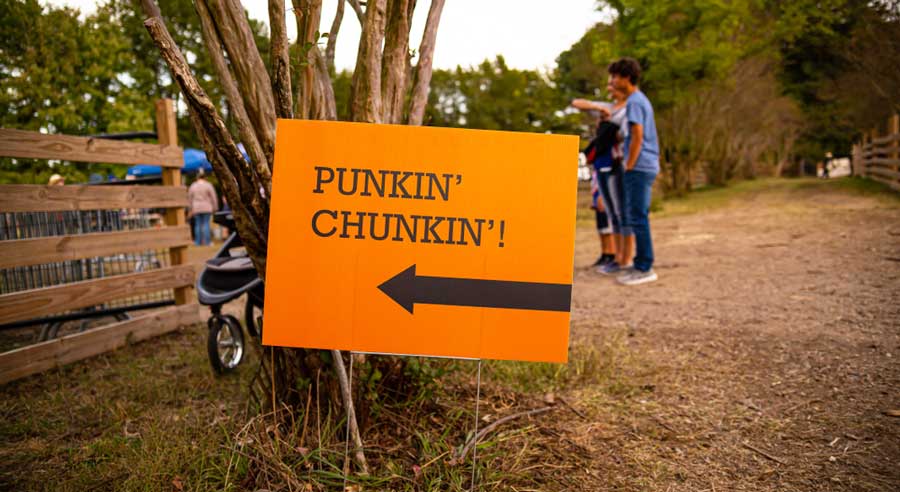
point(347, 433)
point(475, 435)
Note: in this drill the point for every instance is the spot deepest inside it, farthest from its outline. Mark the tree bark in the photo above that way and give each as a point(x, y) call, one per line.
point(281, 60)
point(315, 95)
point(235, 102)
point(331, 46)
point(221, 147)
point(254, 100)
point(365, 91)
point(419, 98)
point(324, 106)
point(396, 54)
point(308, 14)
point(357, 8)
point(250, 72)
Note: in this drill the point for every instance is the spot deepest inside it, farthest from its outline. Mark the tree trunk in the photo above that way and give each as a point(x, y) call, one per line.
point(396, 52)
point(365, 91)
point(281, 61)
point(256, 97)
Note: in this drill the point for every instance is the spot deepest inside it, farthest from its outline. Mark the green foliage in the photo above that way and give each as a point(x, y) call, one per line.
point(746, 87)
point(494, 96)
point(64, 75)
point(96, 74)
point(578, 73)
point(677, 42)
point(60, 73)
point(839, 60)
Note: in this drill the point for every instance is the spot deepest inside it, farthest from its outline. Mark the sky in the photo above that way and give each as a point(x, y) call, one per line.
point(528, 33)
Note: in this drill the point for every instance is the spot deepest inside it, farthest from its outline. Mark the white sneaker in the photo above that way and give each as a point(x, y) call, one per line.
point(637, 277)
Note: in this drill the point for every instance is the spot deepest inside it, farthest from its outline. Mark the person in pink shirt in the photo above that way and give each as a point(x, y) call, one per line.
point(202, 203)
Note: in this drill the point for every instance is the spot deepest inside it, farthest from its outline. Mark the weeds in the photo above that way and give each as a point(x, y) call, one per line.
point(153, 417)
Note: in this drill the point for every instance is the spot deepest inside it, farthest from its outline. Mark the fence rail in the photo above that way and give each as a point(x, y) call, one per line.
point(877, 156)
point(34, 145)
point(78, 252)
point(41, 198)
point(54, 249)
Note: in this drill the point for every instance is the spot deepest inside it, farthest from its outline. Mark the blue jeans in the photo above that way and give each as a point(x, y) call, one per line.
point(201, 229)
point(638, 186)
point(611, 193)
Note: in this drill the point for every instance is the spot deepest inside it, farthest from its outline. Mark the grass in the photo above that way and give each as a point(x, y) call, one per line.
point(716, 197)
point(139, 418)
point(153, 417)
point(709, 198)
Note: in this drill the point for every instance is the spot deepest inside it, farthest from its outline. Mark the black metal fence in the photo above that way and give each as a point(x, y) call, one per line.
point(27, 225)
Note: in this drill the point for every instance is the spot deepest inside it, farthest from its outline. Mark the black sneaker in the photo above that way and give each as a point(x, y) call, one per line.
point(602, 260)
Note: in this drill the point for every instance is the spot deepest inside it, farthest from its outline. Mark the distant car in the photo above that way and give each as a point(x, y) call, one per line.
point(839, 167)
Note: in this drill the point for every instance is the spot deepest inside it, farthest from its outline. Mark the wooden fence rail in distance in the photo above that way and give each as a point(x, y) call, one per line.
point(877, 156)
point(45, 301)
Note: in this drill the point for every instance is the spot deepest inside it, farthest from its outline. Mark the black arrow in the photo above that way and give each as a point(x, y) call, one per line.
point(408, 289)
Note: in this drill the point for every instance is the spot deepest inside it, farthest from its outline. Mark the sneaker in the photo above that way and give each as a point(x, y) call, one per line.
point(610, 268)
point(638, 277)
point(602, 260)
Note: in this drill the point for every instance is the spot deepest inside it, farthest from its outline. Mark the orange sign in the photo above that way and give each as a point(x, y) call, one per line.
point(420, 240)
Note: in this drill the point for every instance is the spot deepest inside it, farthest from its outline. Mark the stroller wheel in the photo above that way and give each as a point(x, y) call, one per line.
point(225, 343)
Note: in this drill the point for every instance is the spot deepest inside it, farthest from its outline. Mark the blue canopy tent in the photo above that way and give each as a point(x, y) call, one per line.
point(194, 160)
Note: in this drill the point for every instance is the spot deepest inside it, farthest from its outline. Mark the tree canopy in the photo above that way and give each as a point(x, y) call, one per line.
point(748, 86)
point(740, 88)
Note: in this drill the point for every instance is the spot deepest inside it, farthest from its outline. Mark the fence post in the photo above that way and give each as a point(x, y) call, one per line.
point(863, 142)
point(167, 134)
point(894, 131)
point(873, 135)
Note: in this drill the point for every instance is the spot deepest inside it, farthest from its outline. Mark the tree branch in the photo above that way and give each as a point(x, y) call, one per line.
point(235, 102)
point(359, 456)
point(246, 228)
point(250, 72)
point(331, 46)
point(281, 60)
point(365, 91)
point(324, 106)
point(360, 15)
point(220, 145)
point(308, 14)
point(419, 97)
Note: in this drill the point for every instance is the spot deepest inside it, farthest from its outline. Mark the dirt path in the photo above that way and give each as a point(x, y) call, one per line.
point(764, 359)
point(766, 354)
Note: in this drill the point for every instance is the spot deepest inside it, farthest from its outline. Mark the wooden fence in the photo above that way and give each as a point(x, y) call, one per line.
point(44, 301)
point(877, 156)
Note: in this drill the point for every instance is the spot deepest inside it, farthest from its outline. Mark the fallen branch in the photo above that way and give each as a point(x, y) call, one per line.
point(764, 454)
point(573, 409)
point(459, 457)
point(801, 404)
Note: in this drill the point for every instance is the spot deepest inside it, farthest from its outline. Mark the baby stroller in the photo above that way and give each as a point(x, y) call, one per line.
point(227, 276)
